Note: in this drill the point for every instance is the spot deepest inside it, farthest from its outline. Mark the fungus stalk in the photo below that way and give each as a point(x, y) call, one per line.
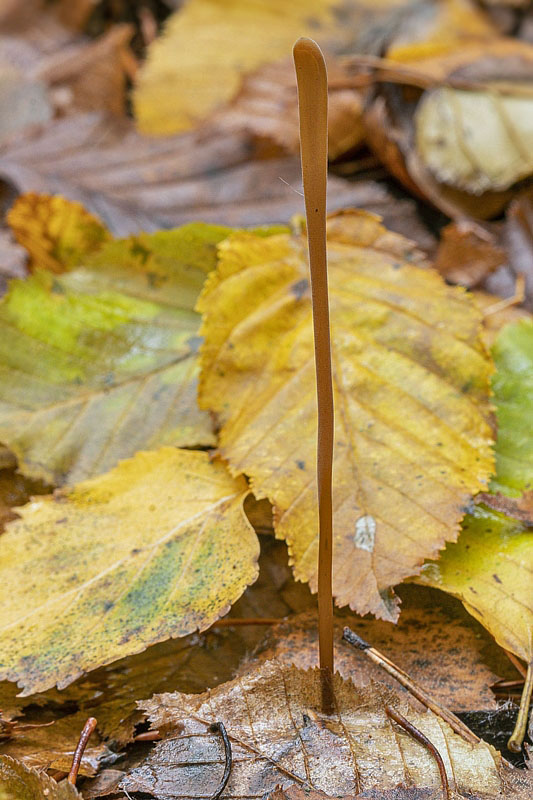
point(313, 107)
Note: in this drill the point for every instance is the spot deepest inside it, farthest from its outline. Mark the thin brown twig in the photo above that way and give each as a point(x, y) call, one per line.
point(229, 622)
point(515, 300)
point(517, 737)
point(218, 727)
point(419, 736)
point(403, 678)
point(88, 728)
point(517, 664)
point(311, 78)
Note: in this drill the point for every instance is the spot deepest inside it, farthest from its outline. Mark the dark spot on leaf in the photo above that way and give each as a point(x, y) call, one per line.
point(300, 464)
point(496, 578)
point(299, 288)
point(194, 343)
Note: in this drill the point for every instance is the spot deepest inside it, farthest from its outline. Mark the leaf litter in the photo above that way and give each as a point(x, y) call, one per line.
point(137, 205)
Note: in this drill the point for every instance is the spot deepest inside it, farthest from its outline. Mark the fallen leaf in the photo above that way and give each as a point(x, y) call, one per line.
point(489, 568)
point(446, 653)
point(135, 183)
point(101, 362)
point(157, 548)
point(52, 746)
point(519, 241)
point(401, 481)
point(467, 253)
point(23, 102)
point(15, 490)
point(278, 735)
point(495, 320)
point(267, 106)
point(179, 85)
point(17, 782)
point(56, 232)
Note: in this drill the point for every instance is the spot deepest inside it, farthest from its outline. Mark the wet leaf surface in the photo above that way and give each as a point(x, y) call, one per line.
point(18, 782)
point(278, 734)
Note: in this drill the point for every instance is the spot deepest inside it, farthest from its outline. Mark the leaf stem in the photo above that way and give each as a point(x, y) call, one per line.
point(312, 83)
point(517, 737)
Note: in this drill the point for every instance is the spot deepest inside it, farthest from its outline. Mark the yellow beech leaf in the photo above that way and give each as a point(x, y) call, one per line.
point(411, 383)
point(56, 232)
point(157, 548)
point(208, 45)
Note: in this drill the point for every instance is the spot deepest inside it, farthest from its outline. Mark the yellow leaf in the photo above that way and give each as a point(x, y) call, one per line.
point(208, 45)
point(18, 782)
point(411, 395)
point(157, 548)
point(56, 232)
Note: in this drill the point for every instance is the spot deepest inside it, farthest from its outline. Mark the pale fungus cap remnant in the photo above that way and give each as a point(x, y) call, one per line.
point(365, 533)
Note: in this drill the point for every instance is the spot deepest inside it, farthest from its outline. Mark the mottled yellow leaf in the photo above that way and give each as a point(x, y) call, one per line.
point(56, 232)
point(18, 782)
point(273, 717)
point(411, 382)
point(100, 362)
point(490, 567)
point(157, 548)
point(208, 45)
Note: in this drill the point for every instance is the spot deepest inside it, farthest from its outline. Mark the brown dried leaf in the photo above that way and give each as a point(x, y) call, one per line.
point(138, 183)
point(267, 106)
point(467, 253)
point(279, 735)
point(442, 650)
point(52, 746)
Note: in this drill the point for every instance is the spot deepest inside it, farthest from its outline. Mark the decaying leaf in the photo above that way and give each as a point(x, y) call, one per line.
point(16, 490)
point(18, 782)
point(467, 253)
point(402, 339)
point(52, 746)
point(279, 736)
point(100, 362)
point(157, 548)
point(56, 232)
point(267, 106)
point(447, 654)
point(135, 183)
point(491, 565)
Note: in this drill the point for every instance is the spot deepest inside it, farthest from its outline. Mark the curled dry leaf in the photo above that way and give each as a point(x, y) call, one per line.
point(157, 548)
point(401, 480)
point(56, 233)
point(101, 361)
point(467, 253)
point(18, 782)
point(279, 736)
point(491, 565)
point(267, 106)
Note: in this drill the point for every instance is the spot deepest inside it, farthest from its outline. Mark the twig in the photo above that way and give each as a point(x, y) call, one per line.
point(88, 728)
point(517, 737)
point(402, 677)
point(312, 83)
point(419, 736)
point(229, 622)
point(218, 727)
point(517, 664)
point(514, 300)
